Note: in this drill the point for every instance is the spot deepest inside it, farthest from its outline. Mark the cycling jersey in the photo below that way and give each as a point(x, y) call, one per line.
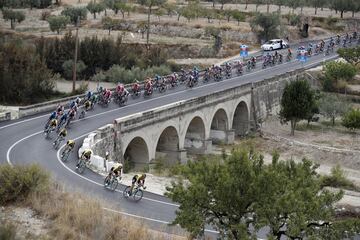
point(86, 154)
point(138, 178)
point(53, 123)
point(63, 132)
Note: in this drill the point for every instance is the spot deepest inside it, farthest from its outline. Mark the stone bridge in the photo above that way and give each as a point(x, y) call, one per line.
point(191, 126)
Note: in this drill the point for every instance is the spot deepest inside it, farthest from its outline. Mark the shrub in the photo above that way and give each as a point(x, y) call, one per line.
point(294, 20)
point(207, 52)
point(19, 181)
point(21, 84)
point(128, 165)
point(335, 75)
point(45, 15)
point(74, 12)
point(351, 119)
point(266, 25)
point(7, 231)
point(120, 74)
point(337, 179)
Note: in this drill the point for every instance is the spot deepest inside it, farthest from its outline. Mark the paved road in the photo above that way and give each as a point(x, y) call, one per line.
point(22, 142)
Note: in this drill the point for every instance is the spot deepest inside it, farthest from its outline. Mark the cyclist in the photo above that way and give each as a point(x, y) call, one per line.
point(63, 119)
point(85, 155)
point(116, 170)
point(52, 116)
point(106, 95)
point(60, 109)
point(62, 134)
point(88, 95)
point(120, 89)
point(136, 87)
point(87, 105)
point(53, 123)
point(70, 144)
point(138, 179)
point(148, 85)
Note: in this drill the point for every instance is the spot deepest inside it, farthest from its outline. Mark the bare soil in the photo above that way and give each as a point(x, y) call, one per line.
point(325, 145)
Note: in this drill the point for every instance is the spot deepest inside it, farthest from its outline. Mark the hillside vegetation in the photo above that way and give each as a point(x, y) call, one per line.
point(68, 216)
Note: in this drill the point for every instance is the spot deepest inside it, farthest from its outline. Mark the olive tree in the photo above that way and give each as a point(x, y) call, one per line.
point(150, 4)
point(58, 23)
point(13, 16)
point(297, 103)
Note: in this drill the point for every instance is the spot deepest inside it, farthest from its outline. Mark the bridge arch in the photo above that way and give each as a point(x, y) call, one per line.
point(241, 119)
point(195, 135)
point(136, 153)
point(219, 126)
point(167, 145)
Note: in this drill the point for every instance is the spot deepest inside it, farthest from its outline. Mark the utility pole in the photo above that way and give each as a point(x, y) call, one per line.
point(76, 53)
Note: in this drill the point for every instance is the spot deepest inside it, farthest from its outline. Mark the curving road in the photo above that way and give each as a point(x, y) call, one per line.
point(22, 142)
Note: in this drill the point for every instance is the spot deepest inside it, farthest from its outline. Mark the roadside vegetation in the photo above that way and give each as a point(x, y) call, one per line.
point(239, 190)
point(69, 216)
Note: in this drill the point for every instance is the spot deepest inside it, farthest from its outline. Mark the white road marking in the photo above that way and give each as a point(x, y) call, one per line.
point(17, 142)
point(149, 219)
point(100, 184)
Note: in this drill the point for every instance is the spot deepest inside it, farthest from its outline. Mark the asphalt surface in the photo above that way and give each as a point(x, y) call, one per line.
point(22, 142)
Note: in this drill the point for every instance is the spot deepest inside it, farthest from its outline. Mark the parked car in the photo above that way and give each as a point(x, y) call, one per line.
point(274, 44)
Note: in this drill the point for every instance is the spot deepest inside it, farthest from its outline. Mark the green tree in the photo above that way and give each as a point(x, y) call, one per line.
point(122, 7)
point(351, 119)
point(266, 25)
point(351, 55)
point(238, 16)
point(237, 191)
point(170, 8)
point(268, 3)
point(160, 12)
point(209, 14)
point(257, 4)
point(317, 4)
point(108, 4)
point(68, 67)
point(223, 2)
point(296, 103)
point(280, 3)
point(58, 23)
point(331, 107)
point(109, 23)
point(24, 76)
point(342, 6)
point(294, 4)
point(95, 7)
point(294, 197)
point(335, 75)
point(189, 13)
point(75, 13)
point(222, 195)
point(13, 16)
point(150, 4)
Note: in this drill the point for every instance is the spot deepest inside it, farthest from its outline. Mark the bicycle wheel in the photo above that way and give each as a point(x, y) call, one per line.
point(64, 155)
point(138, 194)
point(81, 167)
point(125, 192)
point(113, 185)
point(107, 182)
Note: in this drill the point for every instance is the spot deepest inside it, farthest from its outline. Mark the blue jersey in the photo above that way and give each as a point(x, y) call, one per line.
point(52, 116)
point(64, 117)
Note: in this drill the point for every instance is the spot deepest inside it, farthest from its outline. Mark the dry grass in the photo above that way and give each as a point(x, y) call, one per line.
point(78, 217)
